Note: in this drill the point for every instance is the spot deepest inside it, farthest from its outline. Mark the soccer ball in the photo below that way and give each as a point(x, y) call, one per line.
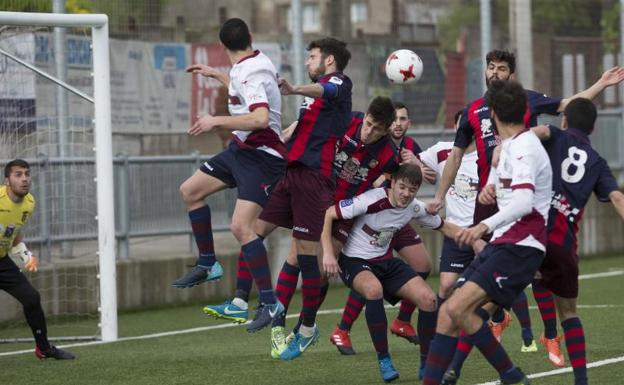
point(403, 66)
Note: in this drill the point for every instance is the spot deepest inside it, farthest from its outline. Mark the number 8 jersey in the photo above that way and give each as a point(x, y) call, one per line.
point(578, 170)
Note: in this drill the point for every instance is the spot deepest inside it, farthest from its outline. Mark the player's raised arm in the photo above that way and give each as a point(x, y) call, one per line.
point(610, 77)
point(209, 72)
point(617, 199)
point(258, 119)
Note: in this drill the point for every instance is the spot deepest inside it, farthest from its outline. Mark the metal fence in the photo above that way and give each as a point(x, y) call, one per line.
point(148, 203)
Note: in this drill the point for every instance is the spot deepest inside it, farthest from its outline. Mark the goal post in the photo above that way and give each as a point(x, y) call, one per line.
point(103, 149)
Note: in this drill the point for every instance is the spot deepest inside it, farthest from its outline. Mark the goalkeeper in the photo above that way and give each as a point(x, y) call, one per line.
point(16, 206)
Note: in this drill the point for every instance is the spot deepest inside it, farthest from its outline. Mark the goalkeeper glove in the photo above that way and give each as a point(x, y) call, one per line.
point(20, 251)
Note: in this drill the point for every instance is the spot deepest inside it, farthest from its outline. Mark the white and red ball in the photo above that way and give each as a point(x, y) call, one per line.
point(403, 66)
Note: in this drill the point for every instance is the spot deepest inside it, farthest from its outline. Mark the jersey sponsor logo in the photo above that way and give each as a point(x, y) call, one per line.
point(335, 80)
point(208, 166)
point(301, 229)
point(460, 265)
point(346, 202)
point(382, 237)
point(484, 108)
point(373, 163)
point(561, 204)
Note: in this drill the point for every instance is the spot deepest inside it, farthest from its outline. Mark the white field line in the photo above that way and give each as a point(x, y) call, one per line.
point(230, 325)
point(595, 364)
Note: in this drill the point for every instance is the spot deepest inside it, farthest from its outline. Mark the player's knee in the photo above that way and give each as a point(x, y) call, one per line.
point(445, 290)
point(429, 302)
point(454, 311)
point(373, 292)
point(240, 230)
point(187, 193)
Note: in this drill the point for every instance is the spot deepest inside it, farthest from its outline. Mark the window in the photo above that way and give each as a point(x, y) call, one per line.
point(359, 12)
point(311, 18)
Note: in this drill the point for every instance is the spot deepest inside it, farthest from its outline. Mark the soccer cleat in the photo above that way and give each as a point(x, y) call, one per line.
point(523, 381)
point(497, 328)
point(227, 310)
point(278, 341)
point(449, 378)
point(529, 346)
point(299, 344)
point(199, 274)
point(53, 352)
point(341, 339)
point(264, 315)
point(387, 370)
point(405, 330)
point(554, 350)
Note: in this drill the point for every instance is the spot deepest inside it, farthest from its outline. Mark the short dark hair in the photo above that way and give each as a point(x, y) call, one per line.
point(581, 114)
point(498, 55)
point(409, 173)
point(381, 110)
point(15, 163)
point(234, 35)
point(508, 100)
point(330, 46)
point(400, 105)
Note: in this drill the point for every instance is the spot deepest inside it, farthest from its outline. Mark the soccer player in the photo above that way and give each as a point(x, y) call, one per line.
point(253, 162)
point(521, 185)
point(578, 171)
point(299, 200)
point(16, 206)
point(366, 263)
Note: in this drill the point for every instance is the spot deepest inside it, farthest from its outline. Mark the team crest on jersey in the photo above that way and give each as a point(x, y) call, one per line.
point(335, 80)
point(8, 232)
point(416, 208)
point(25, 215)
point(306, 103)
point(486, 127)
point(373, 163)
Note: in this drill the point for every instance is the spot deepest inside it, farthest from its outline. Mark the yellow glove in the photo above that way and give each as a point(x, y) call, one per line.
point(20, 251)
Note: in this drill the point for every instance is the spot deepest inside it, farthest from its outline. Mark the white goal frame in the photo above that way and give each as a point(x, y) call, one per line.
point(103, 148)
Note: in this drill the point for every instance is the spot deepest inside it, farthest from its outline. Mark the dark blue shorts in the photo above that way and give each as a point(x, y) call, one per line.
point(503, 271)
point(299, 202)
point(254, 172)
point(393, 273)
point(455, 259)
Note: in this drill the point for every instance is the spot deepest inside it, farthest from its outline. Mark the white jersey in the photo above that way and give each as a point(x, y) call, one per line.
point(253, 83)
point(377, 222)
point(462, 195)
point(523, 163)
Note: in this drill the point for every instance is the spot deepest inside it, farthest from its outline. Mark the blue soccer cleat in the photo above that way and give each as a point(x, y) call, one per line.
point(264, 315)
point(227, 310)
point(387, 370)
point(199, 274)
point(300, 344)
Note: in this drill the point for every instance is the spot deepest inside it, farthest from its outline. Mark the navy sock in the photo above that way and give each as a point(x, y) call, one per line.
point(310, 287)
point(425, 328)
point(353, 308)
point(546, 306)
point(258, 264)
point(406, 310)
point(285, 289)
point(499, 315)
point(438, 359)
point(243, 279)
point(493, 351)
point(575, 344)
point(202, 232)
point(521, 309)
point(464, 347)
point(377, 326)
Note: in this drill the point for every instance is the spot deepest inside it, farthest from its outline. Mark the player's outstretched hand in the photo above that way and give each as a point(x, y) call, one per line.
point(203, 124)
point(285, 87)
point(612, 76)
point(434, 206)
point(26, 256)
point(467, 237)
point(330, 265)
point(204, 70)
point(487, 196)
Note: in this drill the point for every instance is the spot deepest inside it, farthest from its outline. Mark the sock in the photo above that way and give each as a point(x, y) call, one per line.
point(521, 309)
point(499, 315)
point(575, 343)
point(546, 306)
point(493, 351)
point(424, 274)
point(440, 301)
point(425, 328)
point(464, 347)
point(258, 264)
point(307, 331)
point(243, 279)
point(377, 326)
point(240, 303)
point(353, 308)
point(285, 289)
point(323, 295)
point(405, 311)
point(438, 359)
point(310, 288)
point(202, 231)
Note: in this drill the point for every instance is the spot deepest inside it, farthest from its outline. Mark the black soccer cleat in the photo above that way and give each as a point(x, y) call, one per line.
point(54, 352)
point(450, 378)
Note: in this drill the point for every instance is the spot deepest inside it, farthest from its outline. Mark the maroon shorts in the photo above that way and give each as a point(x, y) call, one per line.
point(299, 202)
point(560, 271)
point(341, 229)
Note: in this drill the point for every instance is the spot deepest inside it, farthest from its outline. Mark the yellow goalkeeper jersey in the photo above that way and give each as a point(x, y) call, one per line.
point(12, 217)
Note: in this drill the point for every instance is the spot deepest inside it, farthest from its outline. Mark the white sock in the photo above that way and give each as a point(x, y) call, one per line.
point(307, 331)
point(240, 303)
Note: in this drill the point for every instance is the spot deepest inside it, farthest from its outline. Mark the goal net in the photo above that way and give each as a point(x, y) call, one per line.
point(49, 117)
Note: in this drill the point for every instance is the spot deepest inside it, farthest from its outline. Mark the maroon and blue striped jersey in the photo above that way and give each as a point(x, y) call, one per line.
point(578, 170)
point(322, 121)
point(476, 123)
point(358, 165)
point(409, 144)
